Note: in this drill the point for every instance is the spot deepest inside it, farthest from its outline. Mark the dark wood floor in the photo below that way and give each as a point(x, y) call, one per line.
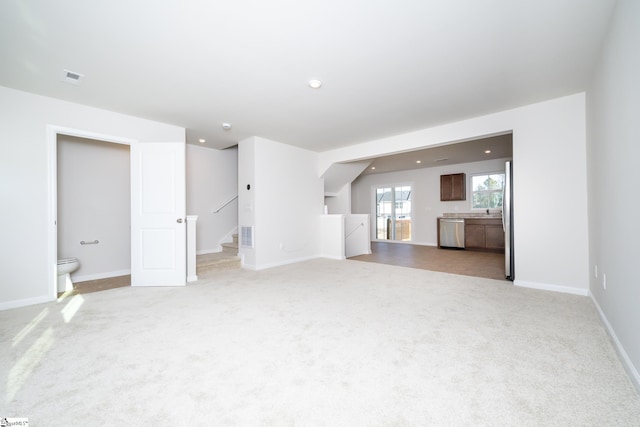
point(468, 263)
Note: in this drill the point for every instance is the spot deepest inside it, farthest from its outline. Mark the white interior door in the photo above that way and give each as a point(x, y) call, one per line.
point(158, 221)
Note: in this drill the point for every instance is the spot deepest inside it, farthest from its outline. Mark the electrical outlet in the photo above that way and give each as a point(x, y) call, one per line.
point(595, 271)
point(604, 281)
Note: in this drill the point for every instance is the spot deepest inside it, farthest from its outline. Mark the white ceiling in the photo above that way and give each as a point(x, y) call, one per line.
point(387, 67)
point(499, 147)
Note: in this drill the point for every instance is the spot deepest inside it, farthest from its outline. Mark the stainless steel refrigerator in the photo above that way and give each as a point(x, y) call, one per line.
point(507, 220)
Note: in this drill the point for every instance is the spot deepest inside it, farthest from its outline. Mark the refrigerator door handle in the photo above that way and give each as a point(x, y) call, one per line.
point(504, 227)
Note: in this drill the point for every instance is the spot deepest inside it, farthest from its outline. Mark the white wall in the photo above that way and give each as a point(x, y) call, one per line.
point(284, 203)
point(549, 155)
point(357, 235)
point(25, 178)
point(94, 203)
point(212, 180)
point(613, 152)
point(340, 202)
point(247, 196)
point(337, 189)
point(331, 236)
point(425, 195)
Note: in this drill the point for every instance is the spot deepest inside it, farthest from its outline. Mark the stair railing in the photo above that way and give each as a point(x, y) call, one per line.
point(354, 230)
point(225, 204)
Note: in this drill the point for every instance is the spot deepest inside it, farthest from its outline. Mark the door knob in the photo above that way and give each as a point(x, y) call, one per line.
point(179, 220)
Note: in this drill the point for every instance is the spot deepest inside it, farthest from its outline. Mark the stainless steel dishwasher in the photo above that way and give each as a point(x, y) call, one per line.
point(452, 233)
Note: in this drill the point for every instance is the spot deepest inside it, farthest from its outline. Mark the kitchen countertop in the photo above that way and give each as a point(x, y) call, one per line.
point(472, 215)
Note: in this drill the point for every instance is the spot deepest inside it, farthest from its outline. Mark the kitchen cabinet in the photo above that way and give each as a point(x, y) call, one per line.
point(484, 234)
point(453, 187)
point(494, 237)
point(474, 236)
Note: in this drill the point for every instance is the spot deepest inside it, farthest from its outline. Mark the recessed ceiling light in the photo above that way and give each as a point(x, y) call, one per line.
point(226, 126)
point(315, 84)
point(202, 140)
point(418, 161)
point(373, 168)
point(487, 151)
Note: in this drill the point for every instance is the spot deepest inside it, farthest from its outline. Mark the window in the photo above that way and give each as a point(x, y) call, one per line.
point(487, 191)
point(393, 213)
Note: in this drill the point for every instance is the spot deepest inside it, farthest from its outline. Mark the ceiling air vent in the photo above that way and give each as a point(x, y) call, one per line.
point(71, 77)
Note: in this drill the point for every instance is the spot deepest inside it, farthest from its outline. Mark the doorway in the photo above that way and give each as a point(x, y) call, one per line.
point(94, 209)
point(158, 226)
point(53, 133)
point(393, 213)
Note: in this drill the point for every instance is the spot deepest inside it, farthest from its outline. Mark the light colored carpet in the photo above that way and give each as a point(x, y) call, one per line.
point(319, 343)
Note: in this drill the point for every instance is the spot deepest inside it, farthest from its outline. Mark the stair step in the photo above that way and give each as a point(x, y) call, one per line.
point(210, 263)
point(230, 247)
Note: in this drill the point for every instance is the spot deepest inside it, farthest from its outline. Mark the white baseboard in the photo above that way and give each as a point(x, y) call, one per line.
point(626, 360)
point(97, 276)
point(24, 302)
point(554, 288)
point(192, 278)
point(209, 251)
point(338, 258)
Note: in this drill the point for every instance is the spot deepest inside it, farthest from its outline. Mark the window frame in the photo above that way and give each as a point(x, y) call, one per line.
point(472, 191)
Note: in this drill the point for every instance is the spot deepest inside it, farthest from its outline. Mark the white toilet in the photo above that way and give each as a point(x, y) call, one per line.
point(65, 268)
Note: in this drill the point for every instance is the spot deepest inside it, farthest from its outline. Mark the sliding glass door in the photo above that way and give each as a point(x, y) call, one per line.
point(393, 213)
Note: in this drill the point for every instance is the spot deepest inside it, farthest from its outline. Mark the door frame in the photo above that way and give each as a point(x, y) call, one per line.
point(374, 212)
point(52, 216)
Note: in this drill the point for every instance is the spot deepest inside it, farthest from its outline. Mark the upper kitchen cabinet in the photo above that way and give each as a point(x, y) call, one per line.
point(453, 187)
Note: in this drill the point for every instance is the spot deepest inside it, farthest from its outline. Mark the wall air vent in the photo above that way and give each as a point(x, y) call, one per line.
point(246, 236)
point(71, 77)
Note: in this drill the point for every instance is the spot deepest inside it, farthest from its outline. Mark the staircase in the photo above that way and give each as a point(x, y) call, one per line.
point(208, 264)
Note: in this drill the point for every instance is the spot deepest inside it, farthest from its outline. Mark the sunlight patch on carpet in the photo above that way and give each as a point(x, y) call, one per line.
point(30, 327)
point(29, 361)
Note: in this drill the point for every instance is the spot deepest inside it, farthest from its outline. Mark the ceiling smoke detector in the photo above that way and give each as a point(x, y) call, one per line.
point(226, 126)
point(315, 84)
point(71, 77)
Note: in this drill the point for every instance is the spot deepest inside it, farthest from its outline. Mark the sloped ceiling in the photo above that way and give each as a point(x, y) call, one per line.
point(340, 174)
